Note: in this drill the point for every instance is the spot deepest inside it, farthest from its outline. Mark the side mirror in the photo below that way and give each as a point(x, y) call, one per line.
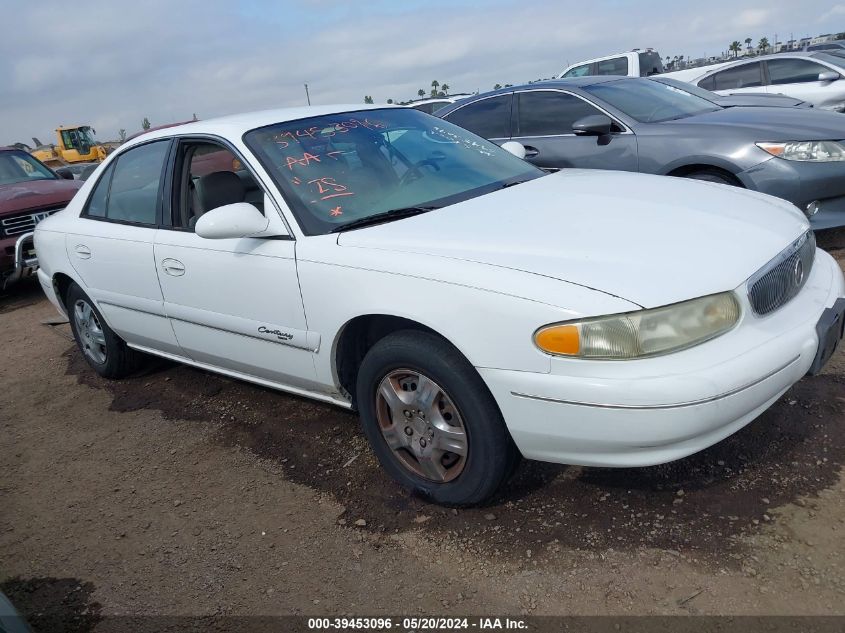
point(514, 147)
point(593, 125)
point(231, 221)
point(65, 173)
point(828, 76)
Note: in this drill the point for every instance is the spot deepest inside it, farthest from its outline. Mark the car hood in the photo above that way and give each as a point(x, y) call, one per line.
point(653, 240)
point(774, 124)
point(34, 194)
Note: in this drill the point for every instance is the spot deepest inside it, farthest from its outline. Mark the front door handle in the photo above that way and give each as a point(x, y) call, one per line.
point(82, 251)
point(173, 267)
point(531, 152)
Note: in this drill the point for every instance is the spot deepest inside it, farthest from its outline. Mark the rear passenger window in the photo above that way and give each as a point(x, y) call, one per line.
point(490, 118)
point(745, 76)
point(709, 83)
point(128, 190)
point(615, 66)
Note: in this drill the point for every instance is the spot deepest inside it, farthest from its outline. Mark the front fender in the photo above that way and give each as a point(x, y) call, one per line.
point(491, 329)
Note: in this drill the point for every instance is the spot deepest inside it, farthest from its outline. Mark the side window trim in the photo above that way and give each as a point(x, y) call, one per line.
point(510, 118)
point(764, 73)
point(112, 168)
point(615, 119)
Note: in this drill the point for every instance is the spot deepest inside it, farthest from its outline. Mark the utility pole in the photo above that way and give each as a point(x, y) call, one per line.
point(307, 96)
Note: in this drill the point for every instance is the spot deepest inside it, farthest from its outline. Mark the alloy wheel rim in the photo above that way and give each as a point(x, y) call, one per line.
point(91, 335)
point(421, 425)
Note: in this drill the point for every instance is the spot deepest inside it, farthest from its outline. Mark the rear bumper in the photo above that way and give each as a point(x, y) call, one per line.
point(641, 413)
point(24, 261)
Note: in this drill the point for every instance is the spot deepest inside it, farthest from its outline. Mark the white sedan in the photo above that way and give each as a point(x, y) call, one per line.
point(472, 309)
point(814, 77)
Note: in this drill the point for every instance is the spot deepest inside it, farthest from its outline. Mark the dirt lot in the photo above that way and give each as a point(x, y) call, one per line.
point(182, 492)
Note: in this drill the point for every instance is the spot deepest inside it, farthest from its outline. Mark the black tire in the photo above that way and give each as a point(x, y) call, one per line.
point(118, 359)
point(713, 175)
point(491, 456)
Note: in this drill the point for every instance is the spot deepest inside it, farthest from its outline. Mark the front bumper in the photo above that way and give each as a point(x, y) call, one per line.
point(651, 411)
point(802, 183)
point(25, 261)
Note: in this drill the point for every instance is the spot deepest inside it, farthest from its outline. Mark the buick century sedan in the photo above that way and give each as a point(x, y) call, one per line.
point(472, 309)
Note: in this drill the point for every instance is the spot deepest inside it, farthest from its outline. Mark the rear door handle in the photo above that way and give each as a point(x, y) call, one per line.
point(173, 267)
point(531, 152)
point(82, 251)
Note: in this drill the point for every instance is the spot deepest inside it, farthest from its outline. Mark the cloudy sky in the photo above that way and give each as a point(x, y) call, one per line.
point(110, 63)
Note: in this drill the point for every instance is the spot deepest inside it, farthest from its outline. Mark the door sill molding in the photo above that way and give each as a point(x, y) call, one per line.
point(314, 395)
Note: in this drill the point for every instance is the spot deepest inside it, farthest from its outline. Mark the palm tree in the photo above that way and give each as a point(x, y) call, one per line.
point(434, 85)
point(445, 88)
point(748, 43)
point(763, 44)
point(421, 93)
point(735, 47)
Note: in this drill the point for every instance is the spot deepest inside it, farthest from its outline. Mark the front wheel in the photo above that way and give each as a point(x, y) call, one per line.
point(431, 420)
point(712, 175)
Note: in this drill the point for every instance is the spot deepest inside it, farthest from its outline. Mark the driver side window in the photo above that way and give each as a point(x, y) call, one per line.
point(550, 113)
point(207, 176)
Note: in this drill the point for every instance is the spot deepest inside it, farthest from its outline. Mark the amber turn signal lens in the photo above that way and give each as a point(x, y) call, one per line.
point(559, 339)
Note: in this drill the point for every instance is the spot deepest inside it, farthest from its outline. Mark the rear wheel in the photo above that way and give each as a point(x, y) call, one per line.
point(431, 420)
point(103, 350)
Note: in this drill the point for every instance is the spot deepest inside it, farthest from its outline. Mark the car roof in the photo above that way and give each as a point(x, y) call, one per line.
point(546, 84)
point(570, 82)
point(810, 55)
point(236, 125)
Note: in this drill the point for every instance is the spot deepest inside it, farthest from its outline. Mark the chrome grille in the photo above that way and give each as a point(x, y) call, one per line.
point(23, 223)
point(782, 278)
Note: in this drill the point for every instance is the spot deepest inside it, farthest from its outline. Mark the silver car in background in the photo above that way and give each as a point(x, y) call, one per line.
point(638, 124)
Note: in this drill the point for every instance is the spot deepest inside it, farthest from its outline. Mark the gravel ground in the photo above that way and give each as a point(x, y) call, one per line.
point(179, 492)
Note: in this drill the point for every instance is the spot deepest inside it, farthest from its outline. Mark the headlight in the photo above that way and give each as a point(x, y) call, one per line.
point(806, 151)
point(644, 332)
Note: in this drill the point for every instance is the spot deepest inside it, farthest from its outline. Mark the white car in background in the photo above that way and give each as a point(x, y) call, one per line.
point(472, 309)
point(432, 105)
point(814, 77)
point(635, 63)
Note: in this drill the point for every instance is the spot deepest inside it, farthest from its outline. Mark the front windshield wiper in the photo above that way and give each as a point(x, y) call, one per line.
point(515, 182)
point(384, 216)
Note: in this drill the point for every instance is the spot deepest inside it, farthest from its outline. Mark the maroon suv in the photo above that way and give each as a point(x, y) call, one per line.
point(29, 192)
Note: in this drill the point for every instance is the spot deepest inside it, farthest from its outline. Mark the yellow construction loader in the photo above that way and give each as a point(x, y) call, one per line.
point(76, 144)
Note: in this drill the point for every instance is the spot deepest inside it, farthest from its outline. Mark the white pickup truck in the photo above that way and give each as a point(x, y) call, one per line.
point(636, 63)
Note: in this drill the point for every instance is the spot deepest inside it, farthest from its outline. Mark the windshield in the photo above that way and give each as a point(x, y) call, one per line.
point(690, 88)
point(339, 168)
point(21, 167)
point(837, 58)
point(648, 101)
point(86, 135)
